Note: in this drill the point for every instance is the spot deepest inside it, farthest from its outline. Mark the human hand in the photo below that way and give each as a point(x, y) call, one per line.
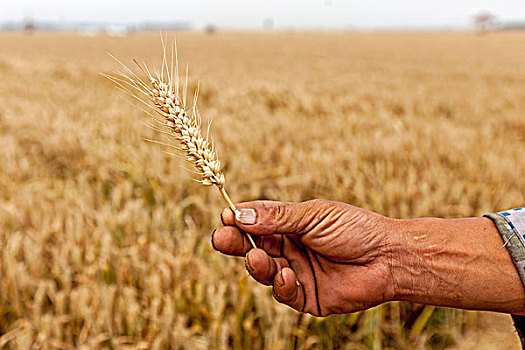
point(321, 257)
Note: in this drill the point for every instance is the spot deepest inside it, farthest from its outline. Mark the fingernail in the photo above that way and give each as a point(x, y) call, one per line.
point(247, 264)
point(280, 279)
point(246, 216)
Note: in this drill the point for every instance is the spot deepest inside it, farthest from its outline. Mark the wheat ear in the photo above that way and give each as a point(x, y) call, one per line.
point(162, 97)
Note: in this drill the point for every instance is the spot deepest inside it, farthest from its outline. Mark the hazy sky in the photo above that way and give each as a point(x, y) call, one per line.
point(252, 13)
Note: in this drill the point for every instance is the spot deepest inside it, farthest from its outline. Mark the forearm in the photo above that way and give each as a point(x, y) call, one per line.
point(457, 263)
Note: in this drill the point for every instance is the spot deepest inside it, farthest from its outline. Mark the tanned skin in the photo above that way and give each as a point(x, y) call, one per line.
point(324, 257)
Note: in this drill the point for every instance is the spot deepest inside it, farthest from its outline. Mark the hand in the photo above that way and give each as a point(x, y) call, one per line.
point(321, 257)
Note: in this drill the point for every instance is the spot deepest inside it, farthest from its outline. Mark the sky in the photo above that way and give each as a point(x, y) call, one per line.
point(251, 14)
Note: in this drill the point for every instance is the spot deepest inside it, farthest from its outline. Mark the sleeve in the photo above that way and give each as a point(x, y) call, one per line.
point(511, 226)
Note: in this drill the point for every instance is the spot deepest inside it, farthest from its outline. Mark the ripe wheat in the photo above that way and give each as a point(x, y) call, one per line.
point(161, 94)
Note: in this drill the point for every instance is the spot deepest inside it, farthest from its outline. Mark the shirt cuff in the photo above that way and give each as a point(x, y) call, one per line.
point(511, 226)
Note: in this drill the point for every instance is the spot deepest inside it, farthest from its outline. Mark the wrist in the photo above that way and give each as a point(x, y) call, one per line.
point(454, 262)
point(413, 251)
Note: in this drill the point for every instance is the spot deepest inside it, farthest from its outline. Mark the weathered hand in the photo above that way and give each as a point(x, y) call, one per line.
point(321, 257)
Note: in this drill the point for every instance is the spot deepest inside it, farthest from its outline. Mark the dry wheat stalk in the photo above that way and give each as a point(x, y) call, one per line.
point(170, 109)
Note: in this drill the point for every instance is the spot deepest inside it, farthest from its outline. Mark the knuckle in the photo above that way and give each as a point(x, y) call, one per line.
point(278, 212)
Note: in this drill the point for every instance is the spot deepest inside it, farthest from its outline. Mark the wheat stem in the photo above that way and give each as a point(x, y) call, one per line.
point(233, 209)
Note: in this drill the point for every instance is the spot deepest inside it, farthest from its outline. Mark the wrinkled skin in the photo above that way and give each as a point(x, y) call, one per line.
point(319, 256)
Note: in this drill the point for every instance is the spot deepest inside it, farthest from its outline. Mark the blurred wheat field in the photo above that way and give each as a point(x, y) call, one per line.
point(105, 239)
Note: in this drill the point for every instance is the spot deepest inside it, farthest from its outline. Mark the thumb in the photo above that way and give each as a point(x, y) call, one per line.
point(268, 218)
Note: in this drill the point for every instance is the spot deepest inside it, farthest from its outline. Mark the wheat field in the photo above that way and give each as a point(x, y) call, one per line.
point(105, 239)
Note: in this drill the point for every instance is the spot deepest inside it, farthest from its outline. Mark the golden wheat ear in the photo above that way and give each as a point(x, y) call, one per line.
point(159, 93)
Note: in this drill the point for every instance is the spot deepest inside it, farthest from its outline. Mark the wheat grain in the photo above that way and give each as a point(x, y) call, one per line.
point(162, 96)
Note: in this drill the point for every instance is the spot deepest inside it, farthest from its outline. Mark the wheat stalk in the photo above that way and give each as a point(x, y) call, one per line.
point(161, 94)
